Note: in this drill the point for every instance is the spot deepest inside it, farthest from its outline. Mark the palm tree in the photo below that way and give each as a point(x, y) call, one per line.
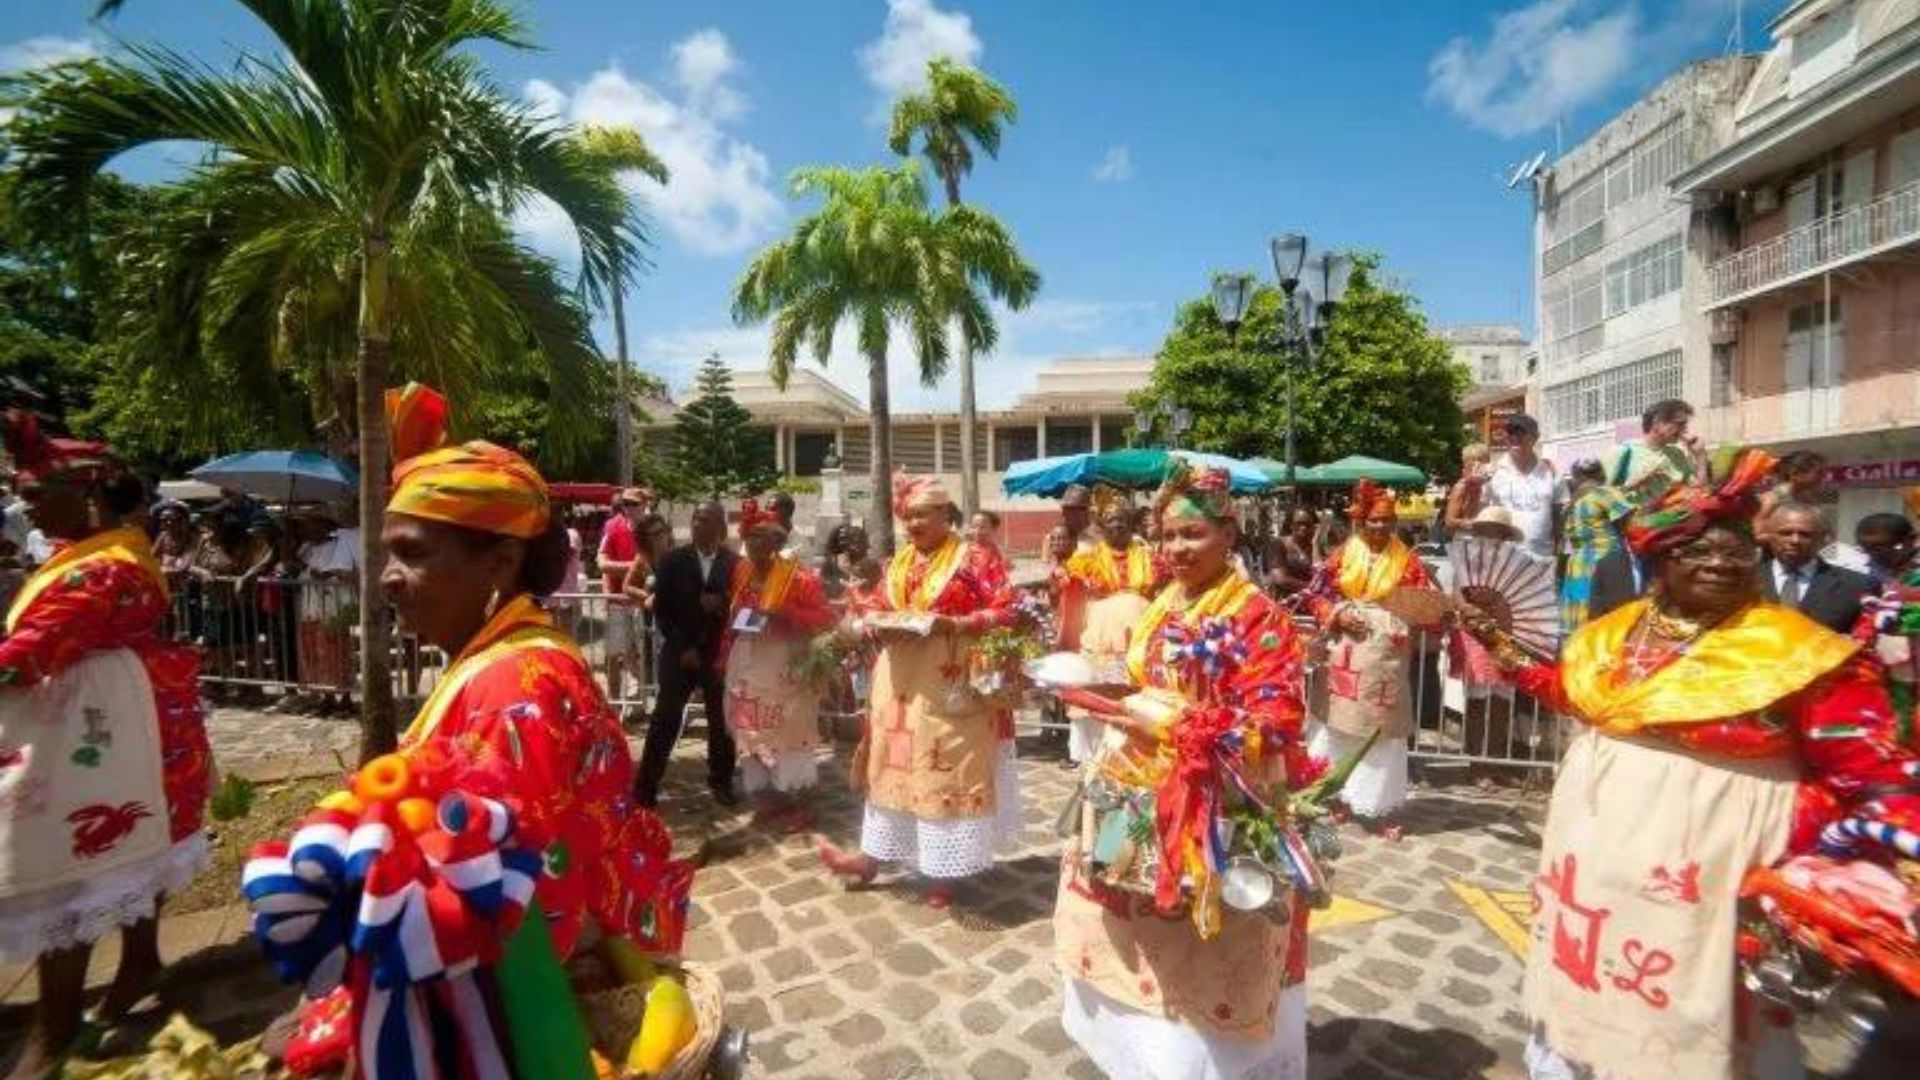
point(618, 150)
point(875, 255)
point(960, 109)
point(372, 140)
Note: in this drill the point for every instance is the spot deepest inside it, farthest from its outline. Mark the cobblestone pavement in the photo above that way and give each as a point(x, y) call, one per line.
point(266, 746)
point(1411, 975)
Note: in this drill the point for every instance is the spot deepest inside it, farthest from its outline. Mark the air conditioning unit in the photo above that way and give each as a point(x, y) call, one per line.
point(1766, 200)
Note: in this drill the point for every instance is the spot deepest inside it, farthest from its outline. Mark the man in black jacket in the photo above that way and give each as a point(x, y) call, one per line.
point(692, 586)
point(1799, 578)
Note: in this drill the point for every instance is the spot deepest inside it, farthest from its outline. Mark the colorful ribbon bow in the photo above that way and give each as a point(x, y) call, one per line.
point(1206, 657)
point(419, 912)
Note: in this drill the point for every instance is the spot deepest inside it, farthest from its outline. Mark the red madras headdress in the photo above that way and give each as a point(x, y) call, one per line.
point(911, 491)
point(1201, 489)
point(1682, 514)
point(38, 456)
point(753, 516)
point(1368, 498)
point(475, 485)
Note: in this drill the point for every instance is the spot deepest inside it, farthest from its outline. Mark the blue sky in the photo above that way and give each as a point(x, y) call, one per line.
point(1157, 141)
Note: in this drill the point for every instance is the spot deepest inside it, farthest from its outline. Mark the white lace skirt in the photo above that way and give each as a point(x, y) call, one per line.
point(83, 912)
point(949, 847)
point(1378, 785)
point(795, 770)
point(1127, 1044)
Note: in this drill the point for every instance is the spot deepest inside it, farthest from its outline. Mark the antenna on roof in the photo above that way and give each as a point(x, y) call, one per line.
point(1526, 170)
point(1737, 33)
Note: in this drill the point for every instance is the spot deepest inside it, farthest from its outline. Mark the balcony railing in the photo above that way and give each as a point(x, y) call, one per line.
point(1890, 221)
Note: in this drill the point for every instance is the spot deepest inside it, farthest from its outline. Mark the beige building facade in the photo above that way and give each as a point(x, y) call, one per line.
point(1812, 289)
point(1074, 406)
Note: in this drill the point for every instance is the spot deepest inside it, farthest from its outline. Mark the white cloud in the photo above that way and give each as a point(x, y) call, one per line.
point(719, 200)
point(1539, 63)
point(1116, 167)
point(44, 51)
point(916, 32)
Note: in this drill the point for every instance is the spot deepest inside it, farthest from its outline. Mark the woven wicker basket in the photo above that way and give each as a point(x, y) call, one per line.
point(613, 1019)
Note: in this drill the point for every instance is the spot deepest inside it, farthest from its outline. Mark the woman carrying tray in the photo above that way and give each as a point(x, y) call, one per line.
point(1163, 979)
point(777, 607)
point(1368, 647)
point(937, 761)
point(1118, 576)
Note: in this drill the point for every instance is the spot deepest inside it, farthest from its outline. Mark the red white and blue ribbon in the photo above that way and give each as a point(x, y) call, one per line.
point(418, 915)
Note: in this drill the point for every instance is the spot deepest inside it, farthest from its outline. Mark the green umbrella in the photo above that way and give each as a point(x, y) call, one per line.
point(1353, 469)
point(1276, 471)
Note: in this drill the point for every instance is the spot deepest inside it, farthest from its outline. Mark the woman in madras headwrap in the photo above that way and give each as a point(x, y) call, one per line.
point(1367, 651)
point(516, 718)
point(1719, 732)
point(103, 748)
point(937, 761)
point(1117, 575)
point(1150, 995)
point(777, 607)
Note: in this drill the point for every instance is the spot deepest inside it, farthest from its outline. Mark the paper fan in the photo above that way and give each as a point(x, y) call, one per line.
point(1513, 588)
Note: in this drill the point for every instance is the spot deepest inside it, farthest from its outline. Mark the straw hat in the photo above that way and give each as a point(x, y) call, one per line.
point(1494, 523)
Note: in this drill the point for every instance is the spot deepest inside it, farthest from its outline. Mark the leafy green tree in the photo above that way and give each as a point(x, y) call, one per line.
point(874, 255)
point(366, 163)
point(716, 449)
point(1383, 385)
point(960, 109)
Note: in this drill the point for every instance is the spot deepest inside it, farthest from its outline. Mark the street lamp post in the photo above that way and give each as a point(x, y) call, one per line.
point(1301, 327)
point(1178, 419)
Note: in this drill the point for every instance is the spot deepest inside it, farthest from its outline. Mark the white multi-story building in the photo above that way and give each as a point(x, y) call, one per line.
point(1619, 278)
point(1494, 354)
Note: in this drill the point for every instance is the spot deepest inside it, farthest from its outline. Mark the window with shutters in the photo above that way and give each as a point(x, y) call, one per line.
point(1816, 346)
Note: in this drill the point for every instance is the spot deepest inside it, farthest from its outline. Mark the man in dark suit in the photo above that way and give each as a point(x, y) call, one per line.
point(1796, 576)
point(692, 587)
point(1618, 579)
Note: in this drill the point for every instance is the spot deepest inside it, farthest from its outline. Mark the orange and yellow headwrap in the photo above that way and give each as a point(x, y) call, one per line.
point(475, 485)
point(1196, 490)
point(1369, 499)
point(911, 491)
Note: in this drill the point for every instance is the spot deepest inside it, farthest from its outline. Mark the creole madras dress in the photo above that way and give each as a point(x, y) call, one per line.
point(775, 716)
point(1692, 766)
point(104, 765)
point(519, 718)
point(942, 790)
point(1117, 585)
point(1146, 997)
point(1366, 681)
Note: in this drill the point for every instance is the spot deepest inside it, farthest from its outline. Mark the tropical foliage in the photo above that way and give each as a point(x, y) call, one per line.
point(349, 218)
point(873, 254)
point(1382, 381)
point(717, 450)
point(961, 108)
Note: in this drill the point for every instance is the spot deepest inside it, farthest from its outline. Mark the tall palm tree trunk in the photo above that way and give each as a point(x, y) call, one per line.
point(622, 404)
point(880, 456)
point(969, 411)
point(378, 731)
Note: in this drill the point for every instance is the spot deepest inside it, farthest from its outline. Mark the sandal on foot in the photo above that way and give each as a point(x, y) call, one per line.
point(854, 869)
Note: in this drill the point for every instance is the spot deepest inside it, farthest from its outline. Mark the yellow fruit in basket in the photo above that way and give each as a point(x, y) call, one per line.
point(632, 965)
point(668, 1025)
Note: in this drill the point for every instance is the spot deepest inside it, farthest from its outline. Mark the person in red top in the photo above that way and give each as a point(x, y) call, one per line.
point(939, 774)
point(776, 607)
point(1367, 647)
point(622, 560)
point(104, 761)
point(1718, 733)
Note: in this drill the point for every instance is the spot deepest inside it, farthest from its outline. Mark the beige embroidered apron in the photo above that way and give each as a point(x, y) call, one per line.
point(1631, 971)
point(771, 714)
point(933, 742)
point(1363, 687)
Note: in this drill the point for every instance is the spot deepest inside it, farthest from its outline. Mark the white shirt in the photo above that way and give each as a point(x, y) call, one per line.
point(706, 563)
point(17, 525)
point(1529, 498)
point(338, 554)
point(1782, 574)
point(39, 549)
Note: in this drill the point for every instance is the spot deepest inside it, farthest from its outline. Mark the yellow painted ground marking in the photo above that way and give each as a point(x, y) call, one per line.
point(1346, 911)
point(1508, 914)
